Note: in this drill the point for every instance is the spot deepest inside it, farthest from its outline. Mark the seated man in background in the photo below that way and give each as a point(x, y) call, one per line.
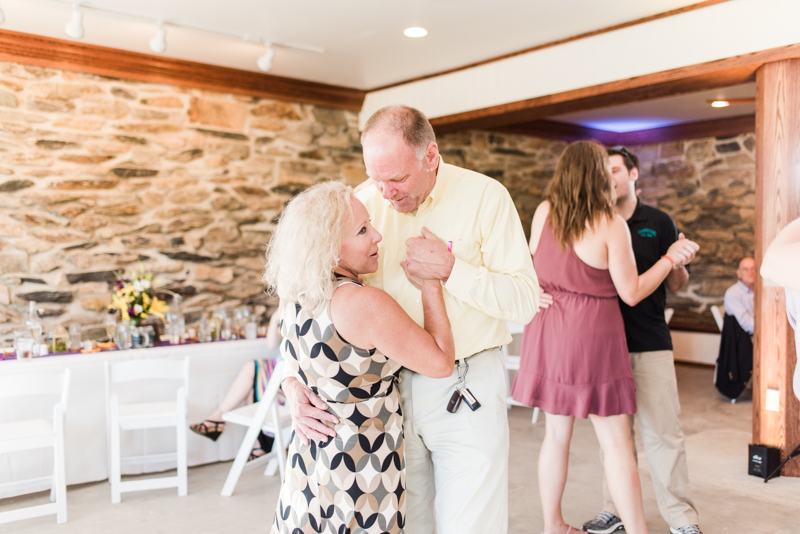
point(735, 360)
point(739, 297)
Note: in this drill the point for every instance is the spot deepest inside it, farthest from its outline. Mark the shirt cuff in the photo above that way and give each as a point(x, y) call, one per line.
point(461, 279)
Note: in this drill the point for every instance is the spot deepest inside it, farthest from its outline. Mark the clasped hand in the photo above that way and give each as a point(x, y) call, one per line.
point(682, 251)
point(427, 258)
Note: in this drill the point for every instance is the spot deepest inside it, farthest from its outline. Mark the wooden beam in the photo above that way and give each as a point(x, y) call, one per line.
point(551, 44)
point(677, 132)
point(777, 204)
point(715, 74)
point(60, 54)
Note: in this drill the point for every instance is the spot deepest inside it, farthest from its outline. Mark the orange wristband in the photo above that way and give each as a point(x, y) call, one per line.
point(670, 260)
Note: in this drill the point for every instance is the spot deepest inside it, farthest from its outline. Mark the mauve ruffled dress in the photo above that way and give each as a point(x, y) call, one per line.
point(574, 355)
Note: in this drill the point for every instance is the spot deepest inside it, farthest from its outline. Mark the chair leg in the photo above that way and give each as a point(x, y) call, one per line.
point(535, 416)
point(115, 477)
point(278, 445)
point(182, 460)
point(59, 472)
point(272, 467)
point(241, 459)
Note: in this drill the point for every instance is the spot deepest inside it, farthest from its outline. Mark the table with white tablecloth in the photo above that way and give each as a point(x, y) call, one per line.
point(213, 368)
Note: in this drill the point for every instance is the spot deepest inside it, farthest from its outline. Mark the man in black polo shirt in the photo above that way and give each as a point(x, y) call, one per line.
point(650, 347)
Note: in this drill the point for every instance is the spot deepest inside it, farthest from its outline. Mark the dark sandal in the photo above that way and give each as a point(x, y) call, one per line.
point(256, 453)
point(209, 429)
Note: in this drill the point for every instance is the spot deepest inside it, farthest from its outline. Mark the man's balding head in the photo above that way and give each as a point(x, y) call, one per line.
point(410, 123)
point(401, 156)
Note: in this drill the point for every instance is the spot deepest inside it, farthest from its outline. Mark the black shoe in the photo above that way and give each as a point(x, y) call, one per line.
point(605, 523)
point(209, 429)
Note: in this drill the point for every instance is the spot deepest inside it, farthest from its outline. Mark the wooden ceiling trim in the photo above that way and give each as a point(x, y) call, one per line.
point(61, 54)
point(715, 74)
point(551, 44)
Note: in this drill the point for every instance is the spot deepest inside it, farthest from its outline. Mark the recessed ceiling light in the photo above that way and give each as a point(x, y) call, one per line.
point(415, 32)
point(720, 104)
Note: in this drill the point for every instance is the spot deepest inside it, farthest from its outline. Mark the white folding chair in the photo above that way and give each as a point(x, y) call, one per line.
point(264, 415)
point(511, 362)
point(133, 416)
point(718, 316)
point(37, 434)
point(668, 313)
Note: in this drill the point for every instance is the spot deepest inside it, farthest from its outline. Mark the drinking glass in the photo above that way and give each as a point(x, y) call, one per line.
point(123, 336)
point(74, 336)
point(251, 328)
point(111, 326)
point(23, 344)
point(147, 335)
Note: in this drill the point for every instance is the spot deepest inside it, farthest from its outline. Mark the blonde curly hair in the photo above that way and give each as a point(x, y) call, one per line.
point(304, 250)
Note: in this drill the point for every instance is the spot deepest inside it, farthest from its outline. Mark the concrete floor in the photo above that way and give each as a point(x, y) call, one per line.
point(717, 434)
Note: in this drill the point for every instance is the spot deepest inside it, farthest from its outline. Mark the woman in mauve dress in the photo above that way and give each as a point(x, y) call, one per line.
point(575, 359)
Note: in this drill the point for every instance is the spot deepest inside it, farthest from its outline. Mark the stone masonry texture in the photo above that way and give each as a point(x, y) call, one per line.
point(706, 185)
point(98, 175)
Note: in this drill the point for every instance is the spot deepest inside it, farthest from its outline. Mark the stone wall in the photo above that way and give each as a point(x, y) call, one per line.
point(707, 185)
point(98, 175)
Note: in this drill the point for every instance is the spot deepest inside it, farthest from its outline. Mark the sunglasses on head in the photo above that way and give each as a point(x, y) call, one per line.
point(623, 151)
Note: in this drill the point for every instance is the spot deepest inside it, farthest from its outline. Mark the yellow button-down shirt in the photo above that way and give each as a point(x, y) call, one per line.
point(492, 281)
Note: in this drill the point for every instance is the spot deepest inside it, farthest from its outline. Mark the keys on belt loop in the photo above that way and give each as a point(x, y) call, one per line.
point(462, 392)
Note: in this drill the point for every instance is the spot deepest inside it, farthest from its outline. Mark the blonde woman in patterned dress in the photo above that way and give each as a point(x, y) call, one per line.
point(347, 342)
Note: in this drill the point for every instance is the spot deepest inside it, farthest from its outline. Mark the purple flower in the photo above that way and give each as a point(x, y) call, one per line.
point(131, 312)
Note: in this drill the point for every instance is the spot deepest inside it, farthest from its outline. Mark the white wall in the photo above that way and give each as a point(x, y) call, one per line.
point(695, 347)
point(716, 32)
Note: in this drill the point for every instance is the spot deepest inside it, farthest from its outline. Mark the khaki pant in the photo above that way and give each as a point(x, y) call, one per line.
point(457, 464)
point(658, 411)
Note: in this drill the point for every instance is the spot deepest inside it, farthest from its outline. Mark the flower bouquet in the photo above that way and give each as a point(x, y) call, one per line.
point(134, 298)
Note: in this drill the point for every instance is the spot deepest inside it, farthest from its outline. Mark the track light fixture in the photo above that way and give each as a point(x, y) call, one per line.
point(2, 16)
point(74, 27)
point(264, 63)
point(158, 43)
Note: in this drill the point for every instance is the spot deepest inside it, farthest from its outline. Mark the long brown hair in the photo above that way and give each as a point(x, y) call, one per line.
point(580, 192)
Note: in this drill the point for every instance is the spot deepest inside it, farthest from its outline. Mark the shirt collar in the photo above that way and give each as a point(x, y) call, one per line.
point(638, 213)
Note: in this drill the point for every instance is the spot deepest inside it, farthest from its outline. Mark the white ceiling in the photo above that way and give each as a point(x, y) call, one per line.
point(665, 111)
point(363, 40)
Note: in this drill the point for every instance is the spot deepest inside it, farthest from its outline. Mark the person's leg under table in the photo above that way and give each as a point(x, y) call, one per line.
point(469, 450)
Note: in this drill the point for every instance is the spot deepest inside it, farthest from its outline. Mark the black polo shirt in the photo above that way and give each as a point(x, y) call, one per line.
point(652, 233)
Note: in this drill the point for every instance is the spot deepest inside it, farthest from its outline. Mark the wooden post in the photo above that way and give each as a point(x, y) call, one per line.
point(777, 204)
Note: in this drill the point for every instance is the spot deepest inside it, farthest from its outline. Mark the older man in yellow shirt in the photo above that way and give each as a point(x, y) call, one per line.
point(442, 222)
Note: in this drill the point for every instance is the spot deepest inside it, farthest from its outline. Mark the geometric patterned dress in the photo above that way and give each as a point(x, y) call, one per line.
point(354, 483)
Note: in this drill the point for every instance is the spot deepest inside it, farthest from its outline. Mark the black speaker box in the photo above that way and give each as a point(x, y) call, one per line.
point(763, 460)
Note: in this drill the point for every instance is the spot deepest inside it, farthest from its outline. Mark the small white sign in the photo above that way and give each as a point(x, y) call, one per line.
point(773, 400)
